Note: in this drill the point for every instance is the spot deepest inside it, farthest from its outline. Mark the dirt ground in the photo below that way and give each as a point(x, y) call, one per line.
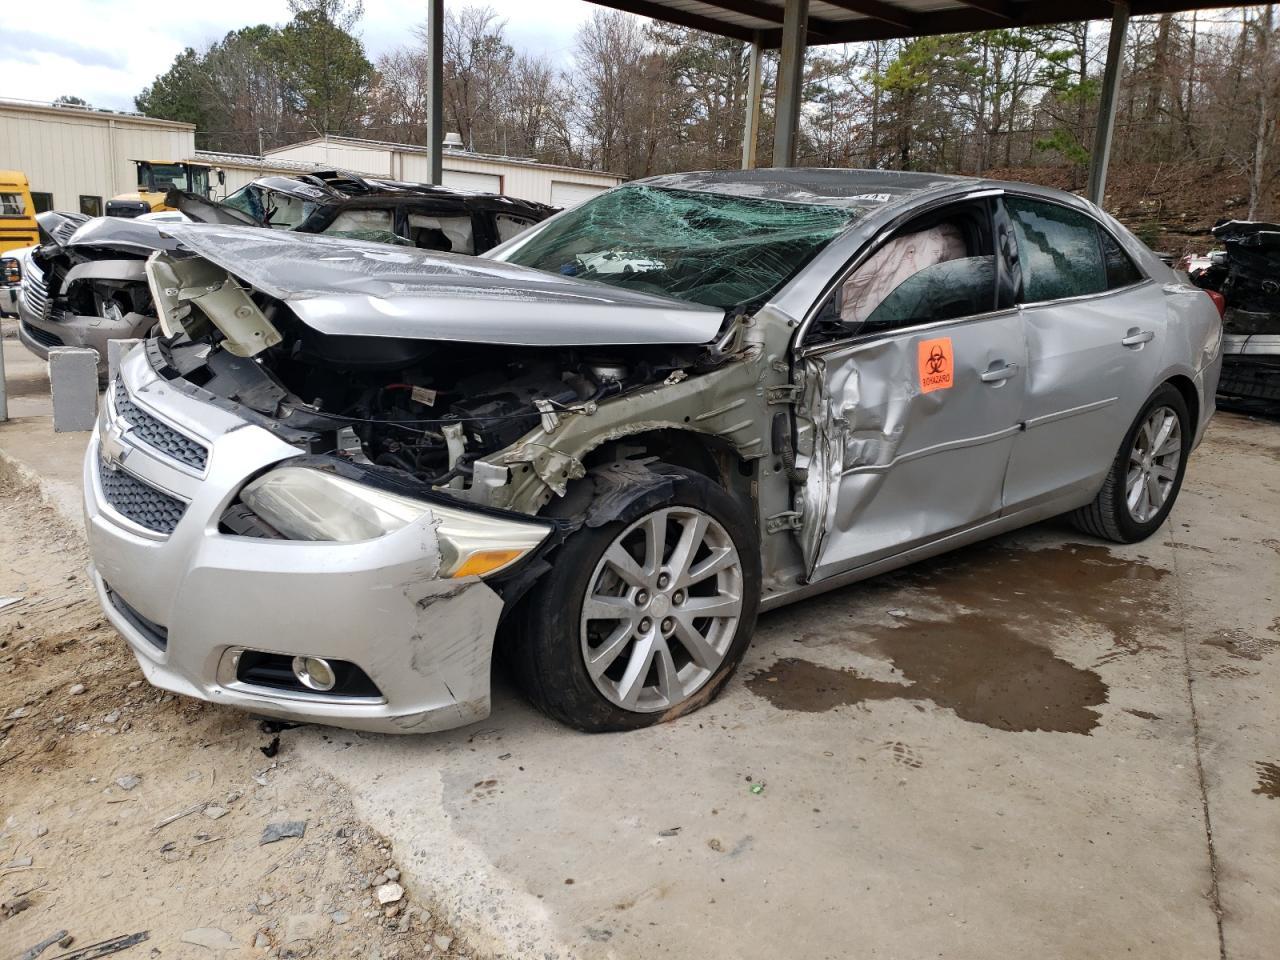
point(124, 809)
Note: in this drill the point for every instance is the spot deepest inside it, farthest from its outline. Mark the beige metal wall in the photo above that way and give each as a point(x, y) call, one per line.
point(70, 153)
point(530, 181)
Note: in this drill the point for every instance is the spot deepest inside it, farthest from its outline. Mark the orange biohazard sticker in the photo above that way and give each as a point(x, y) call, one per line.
point(936, 364)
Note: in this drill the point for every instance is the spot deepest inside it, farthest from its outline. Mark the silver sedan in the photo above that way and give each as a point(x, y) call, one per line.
point(347, 472)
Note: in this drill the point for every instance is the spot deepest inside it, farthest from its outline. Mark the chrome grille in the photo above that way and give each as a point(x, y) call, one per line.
point(35, 291)
point(160, 436)
point(139, 501)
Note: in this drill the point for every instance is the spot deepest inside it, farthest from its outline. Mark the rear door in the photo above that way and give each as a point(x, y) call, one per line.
point(1095, 327)
point(914, 408)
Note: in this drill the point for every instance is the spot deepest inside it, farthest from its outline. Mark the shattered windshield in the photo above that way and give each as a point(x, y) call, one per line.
point(272, 207)
point(717, 250)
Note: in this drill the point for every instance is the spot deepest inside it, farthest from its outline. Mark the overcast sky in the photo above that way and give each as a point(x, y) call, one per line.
point(106, 51)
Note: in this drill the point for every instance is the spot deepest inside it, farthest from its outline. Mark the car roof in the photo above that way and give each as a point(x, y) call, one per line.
point(828, 186)
point(338, 186)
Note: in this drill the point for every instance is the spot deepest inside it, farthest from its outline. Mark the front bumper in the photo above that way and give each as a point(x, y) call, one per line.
point(40, 334)
point(425, 643)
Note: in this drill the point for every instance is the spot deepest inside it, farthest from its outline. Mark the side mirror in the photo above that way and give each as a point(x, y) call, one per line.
point(222, 178)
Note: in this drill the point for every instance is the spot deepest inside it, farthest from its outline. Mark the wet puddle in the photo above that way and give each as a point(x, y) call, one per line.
point(990, 663)
point(983, 672)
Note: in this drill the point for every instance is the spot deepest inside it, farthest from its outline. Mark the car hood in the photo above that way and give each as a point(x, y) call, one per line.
point(353, 288)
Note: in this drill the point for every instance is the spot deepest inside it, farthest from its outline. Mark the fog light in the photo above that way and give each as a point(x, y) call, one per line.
point(314, 673)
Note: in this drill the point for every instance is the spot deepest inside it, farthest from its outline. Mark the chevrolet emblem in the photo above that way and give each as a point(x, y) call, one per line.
point(112, 449)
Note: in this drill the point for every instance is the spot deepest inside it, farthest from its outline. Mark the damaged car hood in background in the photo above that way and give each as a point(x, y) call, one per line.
point(351, 288)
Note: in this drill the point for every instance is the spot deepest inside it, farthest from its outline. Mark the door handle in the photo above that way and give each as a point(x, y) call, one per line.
point(998, 374)
point(1136, 337)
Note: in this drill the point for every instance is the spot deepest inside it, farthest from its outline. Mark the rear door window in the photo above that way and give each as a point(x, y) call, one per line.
point(1058, 250)
point(1121, 271)
point(450, 234)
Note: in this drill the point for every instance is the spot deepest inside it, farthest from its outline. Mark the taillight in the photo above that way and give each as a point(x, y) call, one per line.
point(1219, 301)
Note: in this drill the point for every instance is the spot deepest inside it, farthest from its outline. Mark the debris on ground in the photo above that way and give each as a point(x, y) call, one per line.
point(284, 830)
point(77, 830)
point(211, 938)
point(32, 952)
point(389, 893)
point(104, 948)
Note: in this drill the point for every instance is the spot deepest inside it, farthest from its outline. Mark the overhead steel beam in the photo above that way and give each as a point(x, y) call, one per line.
point(751, 125)
point(790, 82)
point(1107, 101)
point(877, 10)
point(680, 18)
point(771, 14)
point(435, 90)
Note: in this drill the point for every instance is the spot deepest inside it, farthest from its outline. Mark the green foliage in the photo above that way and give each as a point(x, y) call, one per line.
point(177, 93)
point(325, 73)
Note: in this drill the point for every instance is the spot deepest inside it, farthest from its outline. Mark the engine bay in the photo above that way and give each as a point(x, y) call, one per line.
point(430, 409)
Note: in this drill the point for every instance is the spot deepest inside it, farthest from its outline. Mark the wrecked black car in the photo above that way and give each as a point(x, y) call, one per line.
point(85, 284)
point(1247, 277)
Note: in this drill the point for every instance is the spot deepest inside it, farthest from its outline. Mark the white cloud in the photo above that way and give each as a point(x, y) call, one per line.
point(106, 51)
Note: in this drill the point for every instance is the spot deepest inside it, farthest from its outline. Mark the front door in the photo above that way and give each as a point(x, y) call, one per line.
point(912, 415)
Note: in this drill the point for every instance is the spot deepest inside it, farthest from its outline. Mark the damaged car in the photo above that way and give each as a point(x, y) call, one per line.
point(345, 474)
point(84, 284)
point(1245, 277)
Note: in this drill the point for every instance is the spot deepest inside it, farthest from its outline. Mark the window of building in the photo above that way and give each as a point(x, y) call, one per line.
point(90, 206)
point(43, 202)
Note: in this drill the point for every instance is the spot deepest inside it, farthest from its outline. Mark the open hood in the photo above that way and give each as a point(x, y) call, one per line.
point(351, 288)
point(203, 210)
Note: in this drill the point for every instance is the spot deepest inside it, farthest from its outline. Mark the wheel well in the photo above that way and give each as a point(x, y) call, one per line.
point(1188, 390)
point(682, 448)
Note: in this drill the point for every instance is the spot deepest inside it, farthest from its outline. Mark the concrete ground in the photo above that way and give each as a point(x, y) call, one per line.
point(1043, 746)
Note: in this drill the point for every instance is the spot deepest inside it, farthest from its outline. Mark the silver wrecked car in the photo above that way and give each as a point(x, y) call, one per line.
point(347, 472)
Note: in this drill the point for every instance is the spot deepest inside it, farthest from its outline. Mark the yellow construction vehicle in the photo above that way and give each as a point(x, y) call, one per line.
point(17, 213)
point(155, 179)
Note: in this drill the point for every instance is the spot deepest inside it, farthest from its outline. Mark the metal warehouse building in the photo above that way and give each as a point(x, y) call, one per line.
point(527, 179)
point(77, 159)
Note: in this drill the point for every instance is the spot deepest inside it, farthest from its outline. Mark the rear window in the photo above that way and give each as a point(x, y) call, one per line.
point(12, 205)
point(1057, 249)
point(707, 248)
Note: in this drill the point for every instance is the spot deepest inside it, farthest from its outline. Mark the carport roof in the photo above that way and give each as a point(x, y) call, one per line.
point(847, 21)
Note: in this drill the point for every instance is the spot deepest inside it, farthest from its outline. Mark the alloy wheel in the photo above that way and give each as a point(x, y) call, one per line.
point(1153, 464)
point(662, 609)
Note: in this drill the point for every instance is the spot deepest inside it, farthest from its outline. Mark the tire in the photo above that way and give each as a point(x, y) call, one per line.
point(1110, 516)
point(552, 641)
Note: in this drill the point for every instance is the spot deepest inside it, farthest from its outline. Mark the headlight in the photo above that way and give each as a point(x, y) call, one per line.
point(306, 504)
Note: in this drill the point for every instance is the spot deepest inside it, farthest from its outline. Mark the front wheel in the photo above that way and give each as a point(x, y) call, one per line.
point(1146, 476)
point(641, 621)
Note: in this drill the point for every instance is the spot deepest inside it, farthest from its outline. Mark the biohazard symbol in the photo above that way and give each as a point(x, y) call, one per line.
point(935, 364)
point(937, 360)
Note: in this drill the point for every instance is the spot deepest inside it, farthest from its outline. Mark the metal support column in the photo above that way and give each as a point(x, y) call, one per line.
point(435, 88)
point(795, 28)
point(751, 126)
point(1107, 104)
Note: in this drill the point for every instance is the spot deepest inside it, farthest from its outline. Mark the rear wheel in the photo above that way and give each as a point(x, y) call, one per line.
point(645, 619)
point(1146, 476)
